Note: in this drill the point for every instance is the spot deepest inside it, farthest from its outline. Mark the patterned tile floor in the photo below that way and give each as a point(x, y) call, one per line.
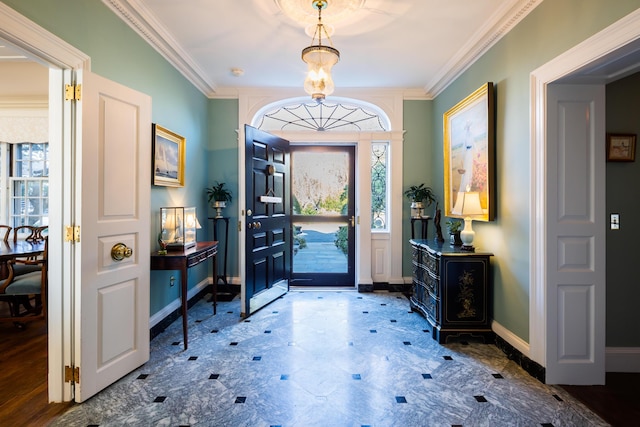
point(324, 358)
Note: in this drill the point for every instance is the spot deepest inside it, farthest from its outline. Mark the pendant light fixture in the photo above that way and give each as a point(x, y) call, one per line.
point(320, 59)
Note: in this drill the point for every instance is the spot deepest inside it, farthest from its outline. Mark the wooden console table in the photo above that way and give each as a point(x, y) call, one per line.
point(183, 260)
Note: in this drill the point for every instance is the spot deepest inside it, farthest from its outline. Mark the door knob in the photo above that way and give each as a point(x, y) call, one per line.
point(120, 251)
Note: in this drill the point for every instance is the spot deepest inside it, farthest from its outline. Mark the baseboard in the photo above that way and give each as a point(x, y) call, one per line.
point(163, 318)
point(517, 350)
point(622, 359)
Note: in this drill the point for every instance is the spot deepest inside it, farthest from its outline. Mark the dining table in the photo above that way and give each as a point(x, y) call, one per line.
point(20, 249)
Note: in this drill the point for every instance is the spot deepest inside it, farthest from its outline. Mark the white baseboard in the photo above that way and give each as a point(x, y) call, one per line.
point(175, 304)
point(622, 359)
point(518, 343)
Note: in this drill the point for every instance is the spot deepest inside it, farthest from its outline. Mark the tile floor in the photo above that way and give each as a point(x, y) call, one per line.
point(324, 358)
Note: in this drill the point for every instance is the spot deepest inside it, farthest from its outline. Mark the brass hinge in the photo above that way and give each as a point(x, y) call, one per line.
point(72, 234)
point(72, 92)
point(239, 226)
point(71, 374)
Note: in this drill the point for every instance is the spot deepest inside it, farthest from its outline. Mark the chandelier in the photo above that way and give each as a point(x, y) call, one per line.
point(320, 59)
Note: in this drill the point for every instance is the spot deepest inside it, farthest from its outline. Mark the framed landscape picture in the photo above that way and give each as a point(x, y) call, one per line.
point(168, 157)
point(621, 148)
point(469, 151)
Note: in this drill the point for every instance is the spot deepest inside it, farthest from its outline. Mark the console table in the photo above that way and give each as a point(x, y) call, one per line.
point(452, 289)
point(183, 260)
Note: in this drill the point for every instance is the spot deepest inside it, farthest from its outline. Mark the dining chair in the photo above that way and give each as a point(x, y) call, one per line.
point(19, 290)
point(32, 234)
point(5, 234)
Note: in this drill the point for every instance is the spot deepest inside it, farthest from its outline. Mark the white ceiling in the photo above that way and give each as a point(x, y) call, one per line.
point(415, 45)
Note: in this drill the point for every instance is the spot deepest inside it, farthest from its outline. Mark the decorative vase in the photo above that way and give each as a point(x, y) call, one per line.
point(219, 205)
point(455, 239)
point(416, 209)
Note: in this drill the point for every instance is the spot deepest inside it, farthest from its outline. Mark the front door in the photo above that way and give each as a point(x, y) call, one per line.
point(112, 176)
point(323, 218)
point(267, 218)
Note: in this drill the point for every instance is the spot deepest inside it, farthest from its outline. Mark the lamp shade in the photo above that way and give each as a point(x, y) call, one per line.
point(467, 204)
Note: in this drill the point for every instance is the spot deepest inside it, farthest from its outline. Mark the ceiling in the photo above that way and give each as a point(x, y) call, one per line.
point(418, 46)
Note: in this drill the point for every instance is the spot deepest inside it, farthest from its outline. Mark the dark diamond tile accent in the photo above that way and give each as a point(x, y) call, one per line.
point(365, 425)
point(383, 304)
point(284, 377)
point(214, 331)
point(447, 357)
point(198, 321)
point(320, 297)
point(406, 342)
point(426, 331)
point(427, 376)
point(373, 331)
point(359, 298)
point(350, 343)
point(175, 343)
point(142, 376)
point(291, 344)
point(410, 312)
point(247, 321)
point(192, 358)
point(257, 358)
point(233, 343)
point(546, 425)
point(275, 425)
point(558, 398)
point(497, 376)
point(401, 399)
point(456, 425)
point(356, 376)
point(93, 425)
point(214, 376)
point(267, 331)
point(274, 312)
point(160, 399)
point(393, 320)
point(229, 312)
point(365, 312)
point(480, 399)
point(241, 399)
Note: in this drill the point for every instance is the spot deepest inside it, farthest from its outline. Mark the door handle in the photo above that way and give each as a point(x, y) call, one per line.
point(120, 251)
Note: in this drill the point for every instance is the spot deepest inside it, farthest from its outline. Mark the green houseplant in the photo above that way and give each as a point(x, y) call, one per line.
point(455, 227)
point(419, 195)
point(218, 197)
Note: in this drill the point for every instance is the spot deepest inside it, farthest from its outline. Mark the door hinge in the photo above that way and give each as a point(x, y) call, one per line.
point(72, 92)
point(71, 374)
point(239, 226)
point(72, 234)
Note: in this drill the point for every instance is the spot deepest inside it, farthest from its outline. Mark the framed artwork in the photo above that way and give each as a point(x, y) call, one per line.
point(469, 151)
point(621, 147)
point(168, 157)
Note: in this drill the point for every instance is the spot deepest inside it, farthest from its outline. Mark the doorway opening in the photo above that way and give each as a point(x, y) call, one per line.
point(323, 215)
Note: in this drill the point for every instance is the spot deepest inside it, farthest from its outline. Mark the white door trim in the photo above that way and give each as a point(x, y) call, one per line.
point(616, 36)
point(47, 48)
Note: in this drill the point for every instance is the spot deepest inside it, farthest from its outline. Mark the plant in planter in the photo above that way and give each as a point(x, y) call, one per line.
point(218, 197)
point(455, 227)
point(419, 195)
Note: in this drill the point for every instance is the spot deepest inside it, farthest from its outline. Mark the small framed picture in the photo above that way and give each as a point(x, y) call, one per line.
point(169, 153)
point(621, 147)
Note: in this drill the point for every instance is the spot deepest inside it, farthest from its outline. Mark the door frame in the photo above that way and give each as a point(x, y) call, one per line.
point(609, 41)
point(62, 59)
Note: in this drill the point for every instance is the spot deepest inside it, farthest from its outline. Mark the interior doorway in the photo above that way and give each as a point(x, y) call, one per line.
point(323, 218)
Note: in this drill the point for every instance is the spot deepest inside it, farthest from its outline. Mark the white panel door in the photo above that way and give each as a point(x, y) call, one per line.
point(113, 181)
point(576, 235)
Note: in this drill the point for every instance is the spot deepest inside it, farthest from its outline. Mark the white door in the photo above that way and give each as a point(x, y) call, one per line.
point(576, 235)
point(113, 170)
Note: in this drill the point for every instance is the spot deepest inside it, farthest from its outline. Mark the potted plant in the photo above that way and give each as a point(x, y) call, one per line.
point(419, 195)
point(218, 197)
point(455, 227)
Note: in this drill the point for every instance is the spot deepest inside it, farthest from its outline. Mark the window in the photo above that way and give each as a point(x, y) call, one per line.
point(29, 185)
point(379, 168)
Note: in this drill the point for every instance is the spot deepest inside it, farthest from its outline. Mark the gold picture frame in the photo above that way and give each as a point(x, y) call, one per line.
point(621, 147)
point(469, 151)
point(169, 155)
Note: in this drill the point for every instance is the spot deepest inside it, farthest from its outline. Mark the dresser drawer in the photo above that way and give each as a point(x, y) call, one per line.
point(432, 263)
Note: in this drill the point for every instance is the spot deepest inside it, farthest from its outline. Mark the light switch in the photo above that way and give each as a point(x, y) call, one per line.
point(615, 221)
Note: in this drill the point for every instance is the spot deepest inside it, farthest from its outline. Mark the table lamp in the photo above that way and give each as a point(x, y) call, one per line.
point(467, 205)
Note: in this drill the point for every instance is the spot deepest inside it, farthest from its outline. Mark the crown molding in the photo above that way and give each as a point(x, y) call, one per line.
point(138, 17)
point(505, 19)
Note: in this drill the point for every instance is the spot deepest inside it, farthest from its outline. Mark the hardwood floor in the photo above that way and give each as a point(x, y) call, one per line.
point(23, 377)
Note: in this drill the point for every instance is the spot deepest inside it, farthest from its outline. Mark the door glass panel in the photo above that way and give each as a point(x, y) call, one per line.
point(320, 247)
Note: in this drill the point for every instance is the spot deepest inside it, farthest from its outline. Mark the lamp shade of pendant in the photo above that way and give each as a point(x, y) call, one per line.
point(320, 60)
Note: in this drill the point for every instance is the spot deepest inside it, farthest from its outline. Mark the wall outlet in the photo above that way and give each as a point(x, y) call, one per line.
point(172, 281)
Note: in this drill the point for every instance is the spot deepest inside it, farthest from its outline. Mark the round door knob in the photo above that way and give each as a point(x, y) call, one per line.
point(249, 225)
point(257, 225)
point(120, 251)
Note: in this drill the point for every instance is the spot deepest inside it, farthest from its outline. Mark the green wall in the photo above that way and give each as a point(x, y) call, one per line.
point(623, 292)
point(549, 30)
point(119, 54)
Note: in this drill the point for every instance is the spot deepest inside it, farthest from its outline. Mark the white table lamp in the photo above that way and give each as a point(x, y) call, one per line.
point(467, 205)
